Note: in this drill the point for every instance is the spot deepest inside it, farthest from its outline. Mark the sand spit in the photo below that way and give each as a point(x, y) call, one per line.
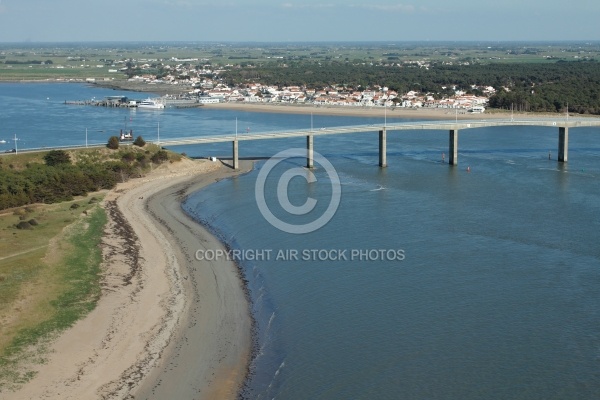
point(166, 326)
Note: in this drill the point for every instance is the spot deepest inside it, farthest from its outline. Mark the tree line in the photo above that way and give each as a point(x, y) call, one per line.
point(59, 179)
point(29, 62)
point(539, 87)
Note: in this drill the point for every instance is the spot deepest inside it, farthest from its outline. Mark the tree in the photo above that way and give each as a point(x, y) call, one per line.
point(139, 141)
point(113, 143)
point(57, 157)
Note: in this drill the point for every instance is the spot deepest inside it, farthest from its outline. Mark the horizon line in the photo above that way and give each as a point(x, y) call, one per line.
point(389, 42)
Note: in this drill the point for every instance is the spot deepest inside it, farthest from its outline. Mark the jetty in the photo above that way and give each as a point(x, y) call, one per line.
point(109, 101)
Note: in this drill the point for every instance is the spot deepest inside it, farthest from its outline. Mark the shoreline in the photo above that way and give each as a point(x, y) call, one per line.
point(378, 112)
point(232, 329)
point(159, 306)
point(423, 113)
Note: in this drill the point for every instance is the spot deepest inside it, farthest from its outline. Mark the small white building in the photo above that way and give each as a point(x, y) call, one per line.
point(209, 100)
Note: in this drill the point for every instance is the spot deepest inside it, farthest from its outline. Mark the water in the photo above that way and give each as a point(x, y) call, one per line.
point(38, 116)
point(496, 294)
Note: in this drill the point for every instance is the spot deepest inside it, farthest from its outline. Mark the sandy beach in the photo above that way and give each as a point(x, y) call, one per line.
point(377, 112)
point(424, 113)
point(166, 326)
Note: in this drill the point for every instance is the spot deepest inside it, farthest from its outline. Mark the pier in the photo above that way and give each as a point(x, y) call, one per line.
point(109, 101)
point(125, 102)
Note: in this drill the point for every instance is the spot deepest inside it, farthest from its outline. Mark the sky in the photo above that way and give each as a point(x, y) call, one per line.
point(298, 21)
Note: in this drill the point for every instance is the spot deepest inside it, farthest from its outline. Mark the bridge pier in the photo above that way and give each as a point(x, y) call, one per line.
point(236, 162)
point(563, 144)
point(309, 151)
point(453, 147)
point(383, 148)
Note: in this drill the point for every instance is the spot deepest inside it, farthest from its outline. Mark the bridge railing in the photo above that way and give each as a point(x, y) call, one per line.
point(366, 128)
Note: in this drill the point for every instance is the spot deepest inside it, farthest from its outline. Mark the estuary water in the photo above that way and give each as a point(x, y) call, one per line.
point(429, 281)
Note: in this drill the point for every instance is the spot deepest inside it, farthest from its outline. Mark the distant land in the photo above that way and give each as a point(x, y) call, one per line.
point(527, 76)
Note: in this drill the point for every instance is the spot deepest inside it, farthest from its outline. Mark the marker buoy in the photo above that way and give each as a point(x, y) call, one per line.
point(468, 169)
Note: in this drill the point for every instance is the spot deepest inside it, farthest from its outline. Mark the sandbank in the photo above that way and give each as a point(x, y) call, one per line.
point(166, 326)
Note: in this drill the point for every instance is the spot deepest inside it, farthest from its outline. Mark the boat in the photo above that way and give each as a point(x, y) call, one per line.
point(151, 104)
point(126, 136)
point(2, 141)
point(476, 109)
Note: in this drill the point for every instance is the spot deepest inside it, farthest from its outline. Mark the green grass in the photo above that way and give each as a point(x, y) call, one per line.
point(24, 72)
point(77, 284)
point(80, 62)
point(92, 155)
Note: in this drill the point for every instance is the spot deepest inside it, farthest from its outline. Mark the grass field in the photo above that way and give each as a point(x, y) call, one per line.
point(50, 267)
point(49, 278)
point(94, 60)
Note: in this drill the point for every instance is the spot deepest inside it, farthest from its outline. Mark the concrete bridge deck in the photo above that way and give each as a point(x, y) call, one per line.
point(452, 127)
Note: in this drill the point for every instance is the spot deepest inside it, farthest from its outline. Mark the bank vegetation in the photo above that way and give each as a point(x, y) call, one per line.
point(59, 175)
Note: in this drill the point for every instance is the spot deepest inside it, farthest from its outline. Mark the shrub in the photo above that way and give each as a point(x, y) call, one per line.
point(160, 156)
point(57, 157)
point(113, 143)
point(128, 157)
point(24, 225)
point(139, 141)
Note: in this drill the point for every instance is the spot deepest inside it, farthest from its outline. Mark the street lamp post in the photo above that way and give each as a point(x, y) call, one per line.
point(385, 113)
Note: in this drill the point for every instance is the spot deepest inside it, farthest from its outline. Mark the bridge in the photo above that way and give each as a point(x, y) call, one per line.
point(453, 127)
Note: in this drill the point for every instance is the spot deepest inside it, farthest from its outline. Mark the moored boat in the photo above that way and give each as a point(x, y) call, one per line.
point(126, 136)
point(151, 104)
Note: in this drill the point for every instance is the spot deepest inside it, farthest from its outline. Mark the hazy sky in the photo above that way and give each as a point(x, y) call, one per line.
point(293, 20)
